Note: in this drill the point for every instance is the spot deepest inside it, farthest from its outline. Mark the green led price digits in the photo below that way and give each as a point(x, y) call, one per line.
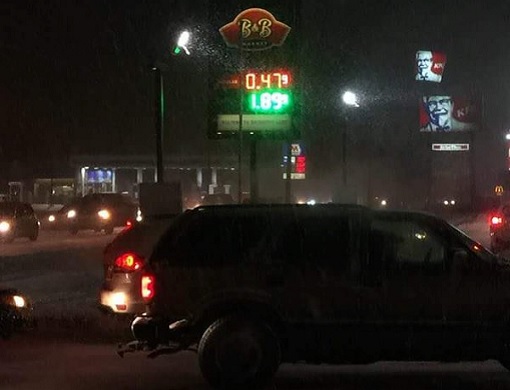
point(269, 102)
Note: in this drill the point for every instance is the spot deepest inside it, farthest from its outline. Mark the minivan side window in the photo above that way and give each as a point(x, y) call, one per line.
point(316, 239)
point(404, 243)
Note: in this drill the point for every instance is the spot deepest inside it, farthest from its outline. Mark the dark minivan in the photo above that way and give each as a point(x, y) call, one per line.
point(254, 286)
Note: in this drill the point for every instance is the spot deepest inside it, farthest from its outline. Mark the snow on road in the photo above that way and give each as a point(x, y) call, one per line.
point(54, 241)
point(34, 365)
point(59, 272)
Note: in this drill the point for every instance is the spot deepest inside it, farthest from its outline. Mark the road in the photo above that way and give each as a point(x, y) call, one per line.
point(62, 273)
point(55, 241)
point(28, 365)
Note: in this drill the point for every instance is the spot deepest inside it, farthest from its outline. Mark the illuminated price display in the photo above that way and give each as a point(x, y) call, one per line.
point(267, 80)
point(268, 101)
point(301, 164)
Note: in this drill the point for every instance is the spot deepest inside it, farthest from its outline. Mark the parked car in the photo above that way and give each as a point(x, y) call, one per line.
point(101, 212)
point(124, 263)
point(255, 286)
point(17, 220)
point(499, 228)
point(15, 312)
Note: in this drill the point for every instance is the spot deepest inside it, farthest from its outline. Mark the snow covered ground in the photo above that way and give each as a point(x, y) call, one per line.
point(61, 273)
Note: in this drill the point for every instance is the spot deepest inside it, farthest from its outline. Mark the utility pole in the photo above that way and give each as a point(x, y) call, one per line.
point(159, 113)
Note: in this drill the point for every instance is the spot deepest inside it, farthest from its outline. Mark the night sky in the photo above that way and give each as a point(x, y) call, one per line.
point(74, 75)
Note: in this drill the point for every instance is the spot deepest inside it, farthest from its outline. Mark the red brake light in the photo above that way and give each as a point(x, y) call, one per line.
point(496, 220)
point(128, 226)
point(148, 287)
point(128, 262)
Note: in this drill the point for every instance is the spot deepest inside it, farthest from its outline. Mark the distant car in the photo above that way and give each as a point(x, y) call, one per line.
point(101, 212)
point(17, 220)
point(58, 220)
point(15, 312)
point(124, 262)
point(499, 227)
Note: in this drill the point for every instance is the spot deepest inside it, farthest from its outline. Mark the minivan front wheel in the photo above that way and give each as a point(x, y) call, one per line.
point(239, 353)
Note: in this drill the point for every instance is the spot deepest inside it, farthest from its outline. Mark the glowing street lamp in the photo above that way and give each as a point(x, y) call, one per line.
point(182, 43)
point(350, 98)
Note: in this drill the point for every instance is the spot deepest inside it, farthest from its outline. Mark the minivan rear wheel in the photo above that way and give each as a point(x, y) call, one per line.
point(239, 353)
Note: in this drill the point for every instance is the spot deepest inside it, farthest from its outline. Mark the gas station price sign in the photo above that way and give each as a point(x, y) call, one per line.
point(267, 102)
point(268, 92)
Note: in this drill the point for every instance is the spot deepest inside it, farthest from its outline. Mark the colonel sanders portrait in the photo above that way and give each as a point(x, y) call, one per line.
point(438, 115)
point(424, 64)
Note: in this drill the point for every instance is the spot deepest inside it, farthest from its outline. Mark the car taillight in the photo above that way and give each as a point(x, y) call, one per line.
point(496, 220)
point(128, 262)
point(148, 287)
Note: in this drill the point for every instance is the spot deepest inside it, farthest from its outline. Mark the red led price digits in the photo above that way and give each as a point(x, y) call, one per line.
point(266, 80)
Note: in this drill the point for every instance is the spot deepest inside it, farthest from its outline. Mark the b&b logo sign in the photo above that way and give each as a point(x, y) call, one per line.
point(255, 29)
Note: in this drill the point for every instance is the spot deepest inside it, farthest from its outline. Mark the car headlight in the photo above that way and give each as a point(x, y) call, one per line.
point(51, 218)
point(5, 227)
point(104, 214)
point(71, 214)
point(139, 216)
point(19, 301)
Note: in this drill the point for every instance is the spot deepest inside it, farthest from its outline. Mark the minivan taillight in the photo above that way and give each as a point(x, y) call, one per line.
point(128, 262)
point(148, 287)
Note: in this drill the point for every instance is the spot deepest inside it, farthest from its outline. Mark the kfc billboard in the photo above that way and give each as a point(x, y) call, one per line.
point(429, 66)
point(447, 113)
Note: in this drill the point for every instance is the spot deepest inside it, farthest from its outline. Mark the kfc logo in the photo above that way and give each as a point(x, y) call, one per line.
point(255, 29)
point(429, 66)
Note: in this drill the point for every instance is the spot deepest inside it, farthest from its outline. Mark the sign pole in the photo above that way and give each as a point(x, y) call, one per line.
point(288, 168)
point(241, 109)
point(254, 188)
point(159, 113)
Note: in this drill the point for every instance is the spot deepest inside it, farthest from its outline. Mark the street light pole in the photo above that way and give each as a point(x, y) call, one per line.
point(159, 105)
point(349, 98)
point(344, 155)
point(159, 113)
